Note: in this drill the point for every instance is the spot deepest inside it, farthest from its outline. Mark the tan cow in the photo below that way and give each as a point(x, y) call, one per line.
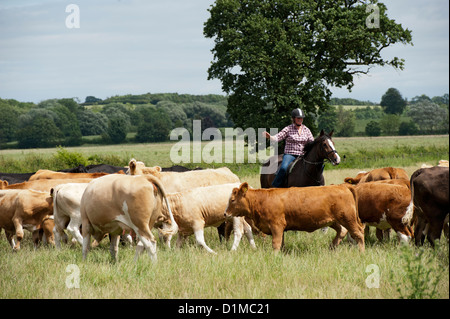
point(181, 181)
point(44, 185)
point(21, 209)
point(276, 210)
point(378, 174)
point(48, 174)
point(113, 203)
point(383, 204)
point(66, 210)
point(202, 207)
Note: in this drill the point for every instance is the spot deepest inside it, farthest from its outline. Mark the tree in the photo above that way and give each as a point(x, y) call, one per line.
point(8, 123)
point(117, 130)
point(392, 102)
point(373, 128)
point(327, 120)
point(407, 128)
point(389, 124)
point(345, 122)
point(92, 123)
point(429, 117)
point(272, 56)
point(38, 130)
point(155, 127)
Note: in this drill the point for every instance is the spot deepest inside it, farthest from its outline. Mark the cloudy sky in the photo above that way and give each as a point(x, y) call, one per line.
point(137, 46)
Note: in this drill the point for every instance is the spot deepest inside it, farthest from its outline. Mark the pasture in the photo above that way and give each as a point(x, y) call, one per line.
point(306, 268)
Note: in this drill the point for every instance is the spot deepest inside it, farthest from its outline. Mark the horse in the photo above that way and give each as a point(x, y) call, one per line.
point(306, 170)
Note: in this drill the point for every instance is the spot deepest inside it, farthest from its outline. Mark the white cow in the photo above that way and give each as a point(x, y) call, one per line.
point(202, 207)
point(66, 210)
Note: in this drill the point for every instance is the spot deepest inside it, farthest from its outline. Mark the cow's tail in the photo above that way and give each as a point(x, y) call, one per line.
point(53, 194)
point(408, 218)
point(174, 229)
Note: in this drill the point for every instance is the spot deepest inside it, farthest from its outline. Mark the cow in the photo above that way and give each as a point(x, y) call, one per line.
point(21, 209)
point(202, 207)
point(48, 174)
point(383, 204)
point(43, 184)
point(105, 168)
point(113, 203)
point(14, 178)
point(429, 204)
point(276, 210)
point(66, 210)
point(180, 181)
point(378, 174)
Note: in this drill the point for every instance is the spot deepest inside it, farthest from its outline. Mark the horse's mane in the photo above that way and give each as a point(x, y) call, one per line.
point(309, 146)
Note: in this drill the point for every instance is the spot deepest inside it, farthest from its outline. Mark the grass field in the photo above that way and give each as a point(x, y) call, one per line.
point(306, 268)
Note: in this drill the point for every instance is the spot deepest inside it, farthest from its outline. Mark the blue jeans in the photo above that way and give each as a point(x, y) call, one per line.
point(281, 175)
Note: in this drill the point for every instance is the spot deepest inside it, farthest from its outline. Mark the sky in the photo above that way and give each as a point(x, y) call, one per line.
point(140, 46)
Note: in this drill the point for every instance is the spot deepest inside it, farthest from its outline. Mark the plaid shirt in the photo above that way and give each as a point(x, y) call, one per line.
point(295, 143)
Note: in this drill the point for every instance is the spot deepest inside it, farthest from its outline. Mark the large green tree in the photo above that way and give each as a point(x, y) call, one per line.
point(274, 55)
point(392, 102)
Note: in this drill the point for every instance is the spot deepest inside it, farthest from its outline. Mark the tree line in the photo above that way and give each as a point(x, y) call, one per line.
point(151, 117)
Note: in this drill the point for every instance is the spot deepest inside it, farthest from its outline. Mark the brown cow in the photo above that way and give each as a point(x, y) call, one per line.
point(383, 204)
point(378, 174)
point(48, 174)
point(429, 203)
point(276, 210)
point(113, 203)
point(21, 209)
point(44, 185)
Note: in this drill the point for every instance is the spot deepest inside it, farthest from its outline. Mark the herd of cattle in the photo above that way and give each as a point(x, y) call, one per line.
point(127, 202)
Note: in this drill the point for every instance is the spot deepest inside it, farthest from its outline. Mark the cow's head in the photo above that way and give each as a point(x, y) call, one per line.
point(238, 204)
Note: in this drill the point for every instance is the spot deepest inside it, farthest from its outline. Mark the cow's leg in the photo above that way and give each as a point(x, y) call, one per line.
point(238, 229)
point(10, 238)
point(199, 236)
point(147, 240)
point(340, 234)
point(277, 237)
point(74, 228)
point(19, 232)
point(357, 232)
point(180, 240)
point(86, 239)
point(248, 233)
point(435, 230)
point(114, 246)
point(419, 231)
point(48, 226)
point(59, 233)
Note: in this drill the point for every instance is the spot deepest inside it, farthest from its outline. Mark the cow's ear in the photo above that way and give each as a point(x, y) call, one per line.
point(158, 168)
point(243, 188)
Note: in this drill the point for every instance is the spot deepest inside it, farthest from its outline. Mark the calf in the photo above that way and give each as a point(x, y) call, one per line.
point(277, 210)
point(113, 203)
point(21, 209)
point(48, 174)
point(202, 207)
point(383, 204)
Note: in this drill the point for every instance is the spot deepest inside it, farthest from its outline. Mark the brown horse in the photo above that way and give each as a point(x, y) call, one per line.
point(306, 170)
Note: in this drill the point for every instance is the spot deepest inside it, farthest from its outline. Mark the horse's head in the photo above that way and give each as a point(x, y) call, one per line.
point(328, 151)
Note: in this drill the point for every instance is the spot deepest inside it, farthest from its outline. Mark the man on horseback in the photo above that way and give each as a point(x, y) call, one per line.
point(297, 135)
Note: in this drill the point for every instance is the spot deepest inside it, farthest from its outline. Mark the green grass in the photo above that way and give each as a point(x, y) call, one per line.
point(305, 269)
